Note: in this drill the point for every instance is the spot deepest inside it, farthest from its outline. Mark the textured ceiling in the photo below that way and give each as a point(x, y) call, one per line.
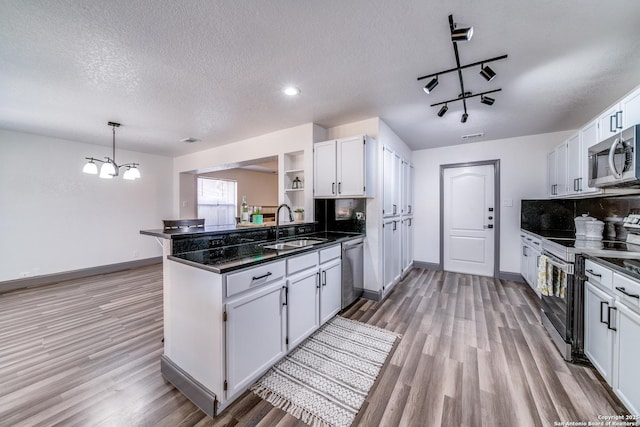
point(214, 70)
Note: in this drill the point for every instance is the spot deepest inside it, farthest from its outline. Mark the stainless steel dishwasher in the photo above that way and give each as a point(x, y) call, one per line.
point(352, 271)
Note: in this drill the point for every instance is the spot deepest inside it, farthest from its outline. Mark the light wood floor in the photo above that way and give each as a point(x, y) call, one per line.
point(86, 352)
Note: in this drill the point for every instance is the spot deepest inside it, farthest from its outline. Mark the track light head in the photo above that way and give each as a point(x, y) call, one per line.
point(487, 73)
point(461, 34)
point(487, 100)
point(464, 117)
point(431, 85)
point(443, 110)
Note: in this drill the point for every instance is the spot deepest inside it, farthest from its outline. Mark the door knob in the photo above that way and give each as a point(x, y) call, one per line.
point(490, 217)
point(488, 226)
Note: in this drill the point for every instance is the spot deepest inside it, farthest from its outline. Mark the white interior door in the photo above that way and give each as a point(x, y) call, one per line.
point(469, 218)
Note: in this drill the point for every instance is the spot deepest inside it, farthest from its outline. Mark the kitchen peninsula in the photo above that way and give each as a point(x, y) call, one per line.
point(236, 301)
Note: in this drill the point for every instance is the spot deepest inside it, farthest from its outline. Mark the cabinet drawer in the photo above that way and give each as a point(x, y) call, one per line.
point(257, 276)
point(330, 253)
point(597, 273)
point(302, 262)
point(624, 287)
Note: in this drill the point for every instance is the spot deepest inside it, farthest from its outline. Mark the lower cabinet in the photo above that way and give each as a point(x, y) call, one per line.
point(391, 249)
point(330, 289)
point(626, 381)
point(407, 244)
point(303, 306)
point(256, 333)
point(598, 335)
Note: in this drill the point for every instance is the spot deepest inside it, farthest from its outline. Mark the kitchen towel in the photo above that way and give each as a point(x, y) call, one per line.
point(552, 281)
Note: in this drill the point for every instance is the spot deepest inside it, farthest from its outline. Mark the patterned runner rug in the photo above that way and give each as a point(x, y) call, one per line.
point(325, 380)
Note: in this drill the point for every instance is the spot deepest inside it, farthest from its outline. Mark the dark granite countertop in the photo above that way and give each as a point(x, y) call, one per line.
point(552, 234)
point(226, 259)
point(213, 229)
point(626, 266)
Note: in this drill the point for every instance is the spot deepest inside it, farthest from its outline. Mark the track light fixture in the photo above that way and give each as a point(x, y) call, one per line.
point(487, 72)
point(109, 167)
point(487, 100)
point(431, 85)
point(462, 34)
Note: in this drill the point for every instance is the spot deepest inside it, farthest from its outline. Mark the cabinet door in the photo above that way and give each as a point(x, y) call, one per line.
point(630, 107)
point(351, 167)
point(524, 262)
point(574, 164)
point(331, 290)
point(303, 305)
point(626, 383)
point(562, 175)
point(256, 331)
point(407, 244)
point(324, 169)
point(609, 122)
point(588, 138)
point(551, 174)
point(391, 247)
point(388, 188)
point(598, 336)
point(409, 189)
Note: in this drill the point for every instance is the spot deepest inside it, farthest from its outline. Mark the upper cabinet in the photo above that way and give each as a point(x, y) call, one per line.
point(568, 163)
point(622, 115)
point(344, 168)
point(392, 176)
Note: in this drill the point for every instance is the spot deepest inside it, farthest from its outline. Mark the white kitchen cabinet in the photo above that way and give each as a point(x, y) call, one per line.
point(391, 248)
point(392, 172)
point(344, 167)
point(598, 335)
point(407, 188)
point(330, 289)
point(324, 169)
point(626, 381)
point(557, 173)
point(530, 251)
point(588, 138)
point(407, 244)
point(574, 164)
point(303, 306)
point(620, 116)
point(256, 333)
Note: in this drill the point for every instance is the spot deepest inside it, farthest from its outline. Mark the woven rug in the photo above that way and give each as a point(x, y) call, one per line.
point(325, 380)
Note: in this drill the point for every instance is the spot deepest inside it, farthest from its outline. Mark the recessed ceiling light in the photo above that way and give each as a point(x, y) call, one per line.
point(190, 140)
point(291, 91)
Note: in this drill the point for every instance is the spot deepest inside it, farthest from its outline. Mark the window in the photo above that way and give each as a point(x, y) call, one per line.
point(217, 199)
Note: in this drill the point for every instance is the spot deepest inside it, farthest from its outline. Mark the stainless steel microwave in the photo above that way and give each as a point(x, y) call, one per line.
point(614, 162)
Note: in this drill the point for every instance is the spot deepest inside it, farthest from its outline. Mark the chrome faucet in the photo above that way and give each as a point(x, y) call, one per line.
point(284, 205)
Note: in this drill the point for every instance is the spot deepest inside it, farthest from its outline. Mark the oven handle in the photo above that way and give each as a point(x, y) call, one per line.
point(566, 267)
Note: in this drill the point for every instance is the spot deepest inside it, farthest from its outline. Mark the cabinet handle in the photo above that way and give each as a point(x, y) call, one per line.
point(410, 221)
point(615, 116)
point(593, 273)
point(624, 291)
point(318, 280)
point(339, 188)
point(262, 277)
point(324, 278)
point(333, 188)
point(609, 318)
point(410, 208)
point(619, 119)
point(579, 184)
point(394, 225)
point(602, 303)
point(286, 295)
point(524, 251)
point(394, 209)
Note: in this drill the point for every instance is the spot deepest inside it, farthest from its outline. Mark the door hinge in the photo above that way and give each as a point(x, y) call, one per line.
point(224, 316)
point(364, 188)
point(225, 385)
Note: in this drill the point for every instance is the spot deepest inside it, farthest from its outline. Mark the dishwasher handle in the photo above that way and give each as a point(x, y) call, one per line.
point(347, 247)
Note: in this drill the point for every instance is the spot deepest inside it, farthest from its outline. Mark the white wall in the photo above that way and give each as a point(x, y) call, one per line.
point(299, 138)
point(523, 175)
point(54, 218)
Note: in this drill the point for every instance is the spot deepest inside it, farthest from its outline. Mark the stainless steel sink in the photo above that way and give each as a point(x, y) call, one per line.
point(293, 244)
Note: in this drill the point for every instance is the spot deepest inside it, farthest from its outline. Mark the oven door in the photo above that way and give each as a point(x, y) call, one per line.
point(557, 301)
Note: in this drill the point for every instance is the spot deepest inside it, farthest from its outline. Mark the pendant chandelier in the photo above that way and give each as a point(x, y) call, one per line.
point(109, 167)
point(457, 35)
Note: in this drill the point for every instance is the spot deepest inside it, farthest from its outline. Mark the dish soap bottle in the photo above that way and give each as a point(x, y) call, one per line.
point(244, 211)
